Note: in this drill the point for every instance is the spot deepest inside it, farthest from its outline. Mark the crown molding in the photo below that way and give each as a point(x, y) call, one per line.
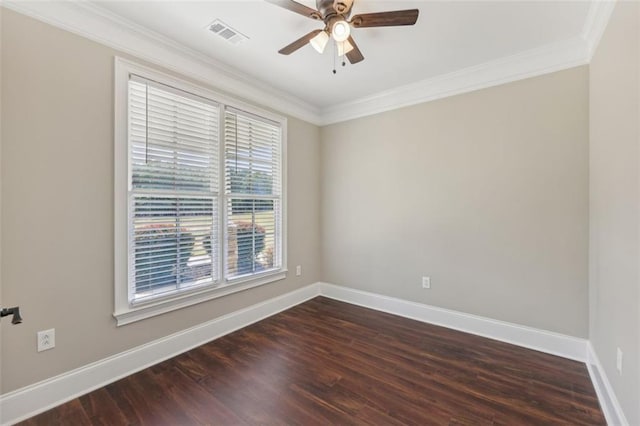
point(597, 19)
point(531, 63)
point(97, 24)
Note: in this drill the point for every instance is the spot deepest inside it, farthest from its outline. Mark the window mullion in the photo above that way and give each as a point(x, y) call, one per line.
point(222, 198)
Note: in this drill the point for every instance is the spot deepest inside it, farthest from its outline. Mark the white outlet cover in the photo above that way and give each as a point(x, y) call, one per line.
point(298, 270)
point(619, 360)
point(426, 282)
point(46, 339)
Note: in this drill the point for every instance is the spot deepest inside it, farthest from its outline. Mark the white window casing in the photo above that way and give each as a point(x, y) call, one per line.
point(200, 194)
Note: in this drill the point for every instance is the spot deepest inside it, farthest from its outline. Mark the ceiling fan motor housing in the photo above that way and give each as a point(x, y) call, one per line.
point(331, 8)
point(342, 6)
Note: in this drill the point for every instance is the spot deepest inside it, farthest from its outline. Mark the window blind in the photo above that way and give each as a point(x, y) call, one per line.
point(173, 195)
point(253, 186)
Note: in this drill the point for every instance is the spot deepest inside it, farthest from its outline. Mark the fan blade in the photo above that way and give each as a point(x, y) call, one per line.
point(296, 7)
point(355, 55)
point(386, 19)
point(287, 50)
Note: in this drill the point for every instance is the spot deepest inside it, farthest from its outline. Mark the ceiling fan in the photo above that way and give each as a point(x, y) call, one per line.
point(335, 15)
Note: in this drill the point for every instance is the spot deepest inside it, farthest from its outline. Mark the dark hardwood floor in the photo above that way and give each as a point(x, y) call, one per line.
point(327, 362)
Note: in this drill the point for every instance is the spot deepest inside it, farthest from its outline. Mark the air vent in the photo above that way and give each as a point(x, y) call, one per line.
point(226, 32)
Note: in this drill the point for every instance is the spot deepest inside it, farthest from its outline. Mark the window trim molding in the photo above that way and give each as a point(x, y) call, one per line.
point(124, 311)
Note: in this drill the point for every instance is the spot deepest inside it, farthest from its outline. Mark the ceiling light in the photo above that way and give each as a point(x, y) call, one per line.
point(319, 42)
point(340, 31)
point(344, 47)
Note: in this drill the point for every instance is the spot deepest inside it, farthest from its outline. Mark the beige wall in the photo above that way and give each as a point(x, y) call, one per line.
point(484, 192)
point(614, 204)
point(1, 299)
point(57, 207)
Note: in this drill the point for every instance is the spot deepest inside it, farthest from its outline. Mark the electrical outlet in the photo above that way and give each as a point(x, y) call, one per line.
point(619, 361)
point(46, 339)
point(298, 270)
point(426, 282)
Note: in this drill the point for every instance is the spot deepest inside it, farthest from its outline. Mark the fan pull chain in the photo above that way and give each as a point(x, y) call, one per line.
point(335, 53)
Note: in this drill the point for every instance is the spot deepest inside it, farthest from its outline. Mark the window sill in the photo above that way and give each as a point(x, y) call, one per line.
point(134, 313)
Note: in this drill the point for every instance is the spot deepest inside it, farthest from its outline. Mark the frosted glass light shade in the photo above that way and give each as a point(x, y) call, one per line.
point(319, 42)
point(344, 47)
point(341, 31)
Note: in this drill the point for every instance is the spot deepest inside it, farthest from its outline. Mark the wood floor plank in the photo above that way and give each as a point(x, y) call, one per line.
point(70, 413)
point(328, 362)
point(101, 409)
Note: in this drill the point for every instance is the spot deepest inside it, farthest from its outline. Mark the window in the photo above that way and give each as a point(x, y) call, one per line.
point(173, 152)
point(252, 177)
point(199, 185)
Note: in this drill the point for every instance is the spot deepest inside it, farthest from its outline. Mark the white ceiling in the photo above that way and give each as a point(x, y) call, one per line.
point(455, 47)
point(448, 37)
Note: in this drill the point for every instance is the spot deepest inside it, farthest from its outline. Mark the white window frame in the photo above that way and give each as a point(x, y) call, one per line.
point(126, 311)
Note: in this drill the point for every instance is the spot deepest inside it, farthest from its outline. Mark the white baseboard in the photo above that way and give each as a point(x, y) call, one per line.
point(607, 397)
point(528, 337)
point(39, 397)
point(33, 399)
